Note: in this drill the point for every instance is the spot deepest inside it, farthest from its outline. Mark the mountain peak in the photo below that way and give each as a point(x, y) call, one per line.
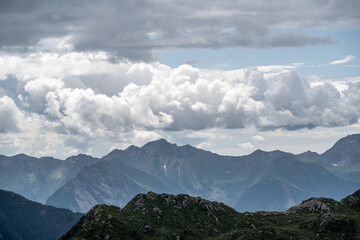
point(345, 153)
point(79, 157)
point(159, 143)
point(347, 141)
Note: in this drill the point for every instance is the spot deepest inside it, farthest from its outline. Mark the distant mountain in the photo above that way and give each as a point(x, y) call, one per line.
point(108, 182)
point(342, 159)
point(165, 216)
point(288, 181)
point(38, 178)
point(271, 193)
point(24, 219)
point(345, 153)
point(246, 183)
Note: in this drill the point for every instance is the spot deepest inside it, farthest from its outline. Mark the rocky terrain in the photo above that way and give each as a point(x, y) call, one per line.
point(165, 216)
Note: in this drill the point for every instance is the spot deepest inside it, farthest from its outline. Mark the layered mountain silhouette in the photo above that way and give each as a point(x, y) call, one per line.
point(166, 216)
point(24, 219)
point(260, 181)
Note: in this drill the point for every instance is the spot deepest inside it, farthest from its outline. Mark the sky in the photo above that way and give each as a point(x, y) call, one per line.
point(225, 76)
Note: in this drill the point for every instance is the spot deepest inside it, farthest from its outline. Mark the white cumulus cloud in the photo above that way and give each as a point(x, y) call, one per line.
point(146, 98)
point(155, 96)
point(10, 115)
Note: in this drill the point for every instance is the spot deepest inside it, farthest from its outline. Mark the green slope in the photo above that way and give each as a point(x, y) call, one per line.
point(164, 216)
point(24, 219)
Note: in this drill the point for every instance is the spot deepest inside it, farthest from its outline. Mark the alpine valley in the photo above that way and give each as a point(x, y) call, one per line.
point(268, 181)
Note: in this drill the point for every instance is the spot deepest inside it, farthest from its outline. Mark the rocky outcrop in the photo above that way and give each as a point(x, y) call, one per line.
point(317, 205)
point(352, 201)
point(180, 202)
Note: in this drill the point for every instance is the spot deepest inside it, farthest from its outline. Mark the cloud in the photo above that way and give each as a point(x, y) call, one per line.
point(125, 31)
point(258, 138)
point(10, 115)
point(156, 97)
point(246, 145)
point(277, 68)
point(69, 106)
point(204, 145)
point(206, 134)
point(346, 59)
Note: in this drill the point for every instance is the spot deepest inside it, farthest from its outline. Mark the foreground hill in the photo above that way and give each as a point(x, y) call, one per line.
point(38, 178)
point(245, 183)
point(24, 219)
point(164, 216)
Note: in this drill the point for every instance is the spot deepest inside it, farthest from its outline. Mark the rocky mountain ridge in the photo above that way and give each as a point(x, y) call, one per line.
point(244, 183)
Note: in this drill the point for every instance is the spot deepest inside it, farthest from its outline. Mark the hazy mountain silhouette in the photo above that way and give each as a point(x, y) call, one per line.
point(38, 178)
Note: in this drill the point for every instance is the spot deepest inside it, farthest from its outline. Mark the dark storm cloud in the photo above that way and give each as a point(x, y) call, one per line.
point(138, 29)
point(24, 23)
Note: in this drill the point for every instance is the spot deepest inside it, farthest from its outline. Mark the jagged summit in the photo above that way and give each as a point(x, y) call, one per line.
point(160, 143)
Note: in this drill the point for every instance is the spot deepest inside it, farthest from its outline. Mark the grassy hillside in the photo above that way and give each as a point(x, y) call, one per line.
point(164, 216)
point(27, 220)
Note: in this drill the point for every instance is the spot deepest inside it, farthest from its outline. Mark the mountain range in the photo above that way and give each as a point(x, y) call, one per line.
point(260, 181)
